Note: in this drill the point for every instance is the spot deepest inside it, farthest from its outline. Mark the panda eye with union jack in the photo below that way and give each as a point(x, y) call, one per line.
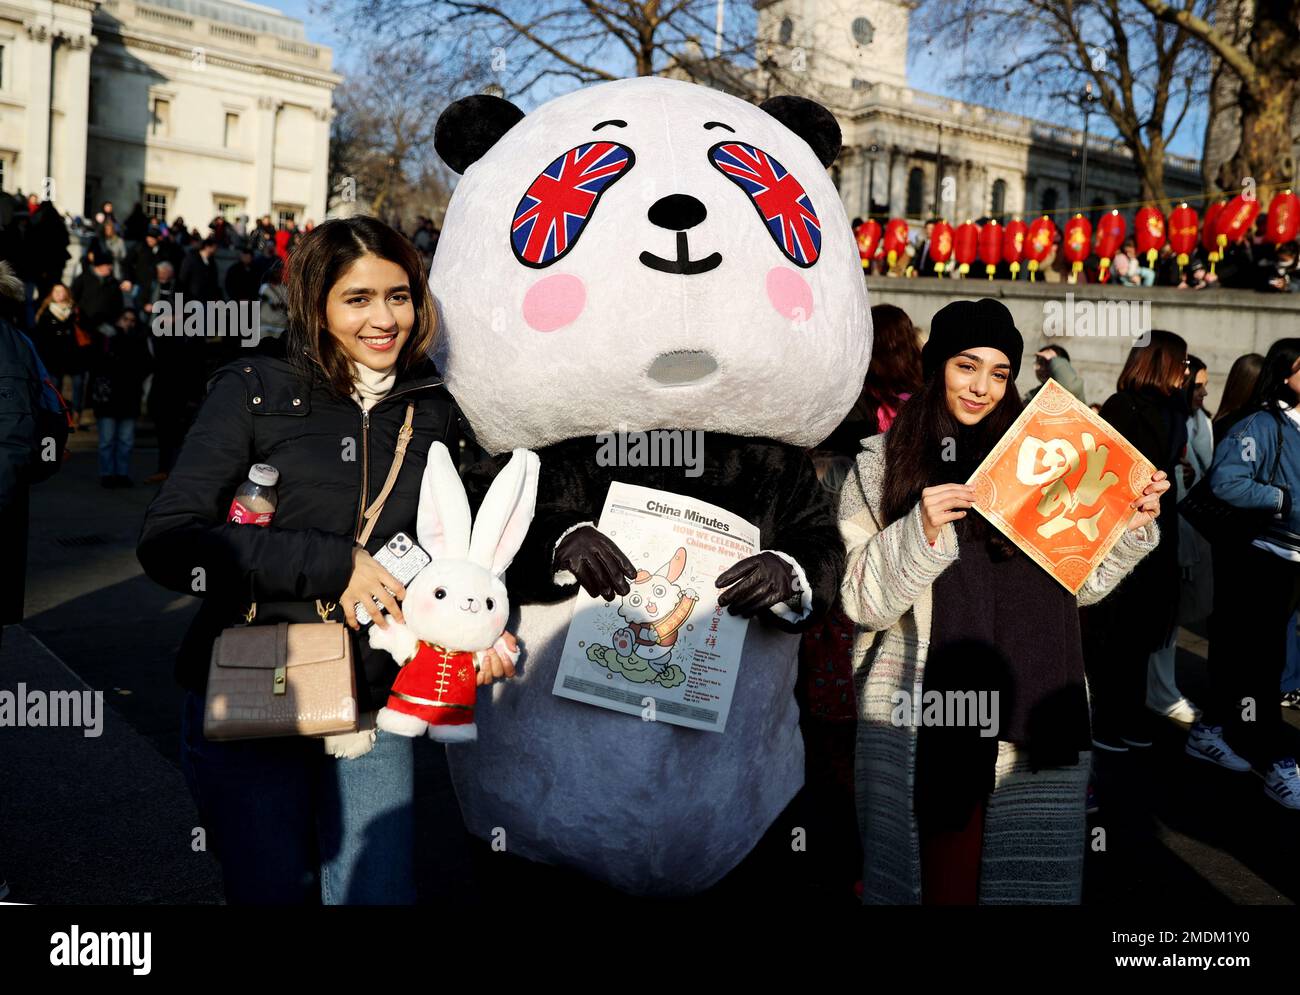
point(780, 199)
point(559, 203)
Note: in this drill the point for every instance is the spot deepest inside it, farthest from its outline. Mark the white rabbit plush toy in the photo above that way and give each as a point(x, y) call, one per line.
point(456, 607)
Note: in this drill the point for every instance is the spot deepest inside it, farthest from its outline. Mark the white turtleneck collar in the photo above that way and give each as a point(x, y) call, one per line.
point(370, 386)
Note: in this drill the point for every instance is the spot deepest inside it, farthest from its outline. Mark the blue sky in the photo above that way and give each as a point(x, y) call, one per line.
point(925, 72)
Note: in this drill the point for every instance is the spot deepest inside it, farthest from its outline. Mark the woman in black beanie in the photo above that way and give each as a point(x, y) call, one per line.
point(995, 796)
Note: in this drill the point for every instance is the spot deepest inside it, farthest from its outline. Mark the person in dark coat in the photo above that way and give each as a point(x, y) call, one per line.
point(118, 368)
point(176, 389)
point(142, 264)
point(20, 388)
point(243, 279)
point(198, 274)
point(1149, 409)
point(293, 822)
point(56, 334)
point(47, 244)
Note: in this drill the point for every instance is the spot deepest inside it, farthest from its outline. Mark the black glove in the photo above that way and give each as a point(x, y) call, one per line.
point(599, 565)
point(755, 583)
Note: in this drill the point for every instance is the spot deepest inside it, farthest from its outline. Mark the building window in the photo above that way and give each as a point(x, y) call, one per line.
point(915, 192)
point(2, 67)
point(155, 204)
point(1049, 200)
point(285, 214)
point(160, 125)
point(786, 31)
point(229, 208)
point(2, 173)
point(999, 206)
point(231, 136)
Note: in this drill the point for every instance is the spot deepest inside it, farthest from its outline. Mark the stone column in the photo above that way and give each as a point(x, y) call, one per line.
point(897, 183)
point(36, 142)
point(263, 194)
point(318, 202)
point(74, 86)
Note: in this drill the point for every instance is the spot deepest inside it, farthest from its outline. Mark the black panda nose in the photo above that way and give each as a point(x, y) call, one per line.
point(676, 212)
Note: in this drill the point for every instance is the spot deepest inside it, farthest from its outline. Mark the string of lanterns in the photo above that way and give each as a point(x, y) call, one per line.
point(1225, 223)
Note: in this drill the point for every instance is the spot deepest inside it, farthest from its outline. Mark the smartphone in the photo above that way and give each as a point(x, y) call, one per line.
point(402, 558)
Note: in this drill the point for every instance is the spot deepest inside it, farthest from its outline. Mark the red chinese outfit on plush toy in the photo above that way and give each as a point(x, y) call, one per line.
point(438, 685)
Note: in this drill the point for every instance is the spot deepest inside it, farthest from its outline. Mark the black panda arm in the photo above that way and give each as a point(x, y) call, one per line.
point(807, 531)
point(567, 495)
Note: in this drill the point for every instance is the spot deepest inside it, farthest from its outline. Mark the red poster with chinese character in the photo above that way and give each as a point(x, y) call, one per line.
point(1059, 484)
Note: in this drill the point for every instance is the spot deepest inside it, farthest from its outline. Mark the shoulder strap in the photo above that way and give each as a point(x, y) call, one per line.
point(371, 515)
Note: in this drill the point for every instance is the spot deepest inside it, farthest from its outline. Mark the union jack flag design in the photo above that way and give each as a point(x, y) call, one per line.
point(557, 205)
point(779, 198)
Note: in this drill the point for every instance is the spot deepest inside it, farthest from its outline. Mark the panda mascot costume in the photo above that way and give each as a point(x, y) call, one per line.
point(649, 254)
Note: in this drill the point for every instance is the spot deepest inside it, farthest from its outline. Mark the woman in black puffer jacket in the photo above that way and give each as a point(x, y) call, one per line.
point(289, 821)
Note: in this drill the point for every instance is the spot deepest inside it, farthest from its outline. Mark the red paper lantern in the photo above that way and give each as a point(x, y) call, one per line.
point(895, 239)
point(1234, 221)
point(1283, 217)
point(1042, 233)
point(1078, 238)
point(1209, 229)
point(868, 236)
point(1182, 232)
point(964, 243)
point(1149, 229)
point(1110, 236)
point(990, 246)
point(941, 242)
point(1013, 244)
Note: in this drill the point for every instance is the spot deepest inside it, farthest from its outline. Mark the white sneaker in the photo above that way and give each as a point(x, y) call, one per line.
point(1207, 743)
point(1282, 783)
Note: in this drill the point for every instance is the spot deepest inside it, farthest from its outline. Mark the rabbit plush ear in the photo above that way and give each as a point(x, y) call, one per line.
point(506, 513)
point(673, 568)
point(442, 523)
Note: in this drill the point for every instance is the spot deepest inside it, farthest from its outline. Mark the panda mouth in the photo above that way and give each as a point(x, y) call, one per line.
point(683, 264)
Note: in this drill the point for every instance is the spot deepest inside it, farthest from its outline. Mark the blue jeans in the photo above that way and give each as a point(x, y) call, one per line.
point(116, 440)
point(1291, 674)
point(292, 825)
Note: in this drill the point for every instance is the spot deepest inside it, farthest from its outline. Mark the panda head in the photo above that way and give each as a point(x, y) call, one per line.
point(647, 253)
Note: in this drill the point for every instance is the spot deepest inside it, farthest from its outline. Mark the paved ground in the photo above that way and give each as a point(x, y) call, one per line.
point(108, 819)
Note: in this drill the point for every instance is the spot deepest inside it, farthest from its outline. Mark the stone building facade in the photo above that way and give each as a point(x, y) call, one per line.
point(191, 107)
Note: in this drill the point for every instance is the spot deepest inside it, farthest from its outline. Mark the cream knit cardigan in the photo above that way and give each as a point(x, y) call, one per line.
point(1035, 827)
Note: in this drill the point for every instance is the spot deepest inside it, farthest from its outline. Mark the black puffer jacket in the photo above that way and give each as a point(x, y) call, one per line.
point(332, 461)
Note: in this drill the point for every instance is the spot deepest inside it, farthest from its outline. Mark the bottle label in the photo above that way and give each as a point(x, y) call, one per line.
point(240, 514)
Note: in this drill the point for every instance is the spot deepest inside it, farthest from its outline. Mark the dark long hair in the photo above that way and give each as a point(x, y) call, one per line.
point(927, 445)
point(1237, 391)
point(1279, 365)
point(316, 262)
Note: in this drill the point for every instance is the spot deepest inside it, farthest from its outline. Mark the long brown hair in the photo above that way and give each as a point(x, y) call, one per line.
point(1160, 364)
point(1239, 387)
point(927, 445)
point(317, 261)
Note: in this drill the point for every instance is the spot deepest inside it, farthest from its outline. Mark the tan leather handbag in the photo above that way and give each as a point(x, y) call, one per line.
point(291, 678)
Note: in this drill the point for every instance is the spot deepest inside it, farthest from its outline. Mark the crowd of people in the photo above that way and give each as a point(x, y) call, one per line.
point(1254, 263)
point(1084, 673)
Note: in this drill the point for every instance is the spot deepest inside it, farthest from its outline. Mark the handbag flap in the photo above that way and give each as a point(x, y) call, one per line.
point(291, 644)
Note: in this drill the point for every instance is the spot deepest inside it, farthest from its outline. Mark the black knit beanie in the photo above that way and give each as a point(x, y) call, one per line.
point(970, 325)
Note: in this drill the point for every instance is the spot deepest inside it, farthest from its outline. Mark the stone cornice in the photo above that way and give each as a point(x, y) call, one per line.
point(134, 39)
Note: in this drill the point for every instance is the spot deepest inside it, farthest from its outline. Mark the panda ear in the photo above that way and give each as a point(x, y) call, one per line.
point(472, 125)
point(810, 121)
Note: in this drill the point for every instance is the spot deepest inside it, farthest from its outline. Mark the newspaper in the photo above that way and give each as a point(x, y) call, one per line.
point(665, 650)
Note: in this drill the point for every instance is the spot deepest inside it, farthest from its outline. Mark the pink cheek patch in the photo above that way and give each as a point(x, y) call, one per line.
point(554, 302)
point(789, 293)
